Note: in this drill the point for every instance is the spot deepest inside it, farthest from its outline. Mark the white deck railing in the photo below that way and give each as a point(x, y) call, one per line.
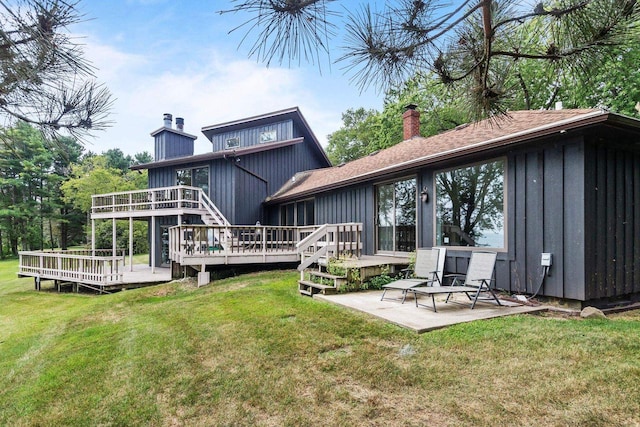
point(237, 240)
point(330, 241)
point(203, 245)
point(156, 199)
point(73, 267)
point(292, 243)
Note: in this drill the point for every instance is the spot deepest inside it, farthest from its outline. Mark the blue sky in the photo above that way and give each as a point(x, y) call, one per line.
point(161, 56)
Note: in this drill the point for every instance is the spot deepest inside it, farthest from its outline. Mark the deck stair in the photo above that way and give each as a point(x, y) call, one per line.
point(320, 282)
point(211, 215)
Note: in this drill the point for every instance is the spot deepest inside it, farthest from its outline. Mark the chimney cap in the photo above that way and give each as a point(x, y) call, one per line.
point(410, 107)
point(167, 119)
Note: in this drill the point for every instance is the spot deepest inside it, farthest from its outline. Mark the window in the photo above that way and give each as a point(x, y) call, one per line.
point(194, 177)
point(396, 216)
point(470, 208)
point(233, 142)
point(267, 136)
point(298, 214)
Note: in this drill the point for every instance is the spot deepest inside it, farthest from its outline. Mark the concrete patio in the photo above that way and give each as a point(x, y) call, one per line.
point(422, 319)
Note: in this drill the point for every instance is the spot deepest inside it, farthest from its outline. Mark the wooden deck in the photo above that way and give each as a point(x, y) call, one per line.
point(367, 266)
point(141, 276)
point(194, 247)
point(157, 202)
point(198, 245)
point(95, 270)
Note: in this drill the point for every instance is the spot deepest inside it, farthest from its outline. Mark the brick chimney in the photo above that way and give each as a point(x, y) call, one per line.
point(411, 121)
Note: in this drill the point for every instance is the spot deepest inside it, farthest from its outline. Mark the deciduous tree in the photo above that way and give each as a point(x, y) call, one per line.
point(356, 138)
point(96, 174)
point(366, 131)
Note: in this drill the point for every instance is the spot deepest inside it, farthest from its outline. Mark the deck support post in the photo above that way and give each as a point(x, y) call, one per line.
point(93, 237)
point(114, 243)
point(130, 243)
point(153, 245)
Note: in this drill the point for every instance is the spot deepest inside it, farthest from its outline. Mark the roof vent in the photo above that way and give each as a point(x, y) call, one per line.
point(341, 165)
point(462, 126)
point(559, 105)
point(373, 153)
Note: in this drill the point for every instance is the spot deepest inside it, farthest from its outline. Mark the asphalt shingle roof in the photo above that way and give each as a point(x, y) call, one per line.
point(517, 127)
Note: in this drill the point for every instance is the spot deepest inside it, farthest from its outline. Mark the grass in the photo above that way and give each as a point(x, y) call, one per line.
point(251, 351)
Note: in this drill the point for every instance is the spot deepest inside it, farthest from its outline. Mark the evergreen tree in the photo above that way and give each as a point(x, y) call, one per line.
point(44, 78)
point(25, 187)
point(472, 45)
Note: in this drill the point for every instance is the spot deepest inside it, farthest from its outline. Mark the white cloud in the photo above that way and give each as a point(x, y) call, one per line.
point(217, 90)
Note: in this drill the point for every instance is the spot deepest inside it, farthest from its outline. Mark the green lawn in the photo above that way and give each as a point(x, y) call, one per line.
point(251, 351)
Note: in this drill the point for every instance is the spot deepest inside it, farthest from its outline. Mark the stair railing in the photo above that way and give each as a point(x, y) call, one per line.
point(212, 209)
point(329, 241)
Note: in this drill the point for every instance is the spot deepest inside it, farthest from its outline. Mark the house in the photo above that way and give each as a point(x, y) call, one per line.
point(202, 210)
point(250, 159)
point(555, 193)
point(563, 182)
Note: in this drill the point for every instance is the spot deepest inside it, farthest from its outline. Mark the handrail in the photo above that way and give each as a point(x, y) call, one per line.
point(211, 241)
point(213, 209)
point(312, 238)
point(84, 269)
point(329, 240)
point(146, 190)
point(157, 199)
point(306, 262)
point(150, 199)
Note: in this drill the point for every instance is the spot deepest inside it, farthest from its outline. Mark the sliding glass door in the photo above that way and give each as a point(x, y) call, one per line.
point(396, 216)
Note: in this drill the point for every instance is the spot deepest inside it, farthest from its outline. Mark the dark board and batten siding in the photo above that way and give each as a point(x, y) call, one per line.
point(238, 186)
point(261, 174)
point(545, 213)
point(547, 199)
point(251, 136)
point(169, 145)
point(221, 185)
point(613, 218)
point(581, 203)
point(354, 204)
point(220, 182)
point(162, 177)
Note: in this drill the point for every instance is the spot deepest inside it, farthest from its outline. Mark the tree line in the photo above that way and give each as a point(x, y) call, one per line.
point(614, 85)
point(46, 187)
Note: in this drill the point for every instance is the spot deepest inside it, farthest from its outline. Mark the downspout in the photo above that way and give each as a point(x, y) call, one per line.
point(235, 161)
point(255, 175)
point(266, 187)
